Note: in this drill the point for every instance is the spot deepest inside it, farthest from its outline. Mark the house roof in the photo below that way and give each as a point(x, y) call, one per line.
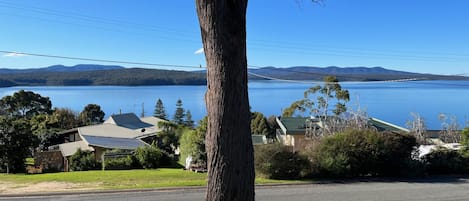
point(292, 125)
point(152, 120)
point(381, 125)
point(127, 120)
point(113, 143)
point(68, 149)
point(69, 131)
point(297, 125)
point(109, 130)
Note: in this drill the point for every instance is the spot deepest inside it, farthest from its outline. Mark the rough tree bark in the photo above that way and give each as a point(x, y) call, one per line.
point(229, 144)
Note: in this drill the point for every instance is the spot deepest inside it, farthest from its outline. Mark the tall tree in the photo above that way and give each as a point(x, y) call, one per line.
point(189, 122)
point(318, 101)
point(92, 114)
point(160, 111)
point(178, 117)
point(45, 128)
point(66, 118)
point(259, 125)
point(25, 104)
point(229, 145)
point(16, 142)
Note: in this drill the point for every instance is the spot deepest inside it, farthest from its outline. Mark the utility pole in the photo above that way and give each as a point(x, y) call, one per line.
point(143, 110)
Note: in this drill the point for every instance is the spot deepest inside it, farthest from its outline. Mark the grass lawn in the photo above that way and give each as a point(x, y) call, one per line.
point(124, 179)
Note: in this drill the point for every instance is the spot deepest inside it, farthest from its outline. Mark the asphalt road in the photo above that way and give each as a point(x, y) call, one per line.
point(438, 190)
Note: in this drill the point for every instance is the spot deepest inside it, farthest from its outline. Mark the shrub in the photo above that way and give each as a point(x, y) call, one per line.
point(275, 161)
point(192, 143)
point(121, 163)
point(395, 155)
point(363, 153)
point(445, 161)
point(465, 142)
point(83, 161)
point(149, 156)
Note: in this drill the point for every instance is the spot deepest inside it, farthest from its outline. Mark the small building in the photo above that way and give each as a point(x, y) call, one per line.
point(122, 131)
point(293, 130)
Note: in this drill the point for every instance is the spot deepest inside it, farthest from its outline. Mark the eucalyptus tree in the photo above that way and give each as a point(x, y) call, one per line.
point(25, 104)
point(319, 100)
point(92, 114)
point(229, 143)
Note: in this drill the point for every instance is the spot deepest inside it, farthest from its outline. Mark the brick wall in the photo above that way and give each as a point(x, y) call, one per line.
point(49, 160)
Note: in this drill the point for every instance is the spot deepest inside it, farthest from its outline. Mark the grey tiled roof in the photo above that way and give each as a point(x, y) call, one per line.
point(114, 143)
point(68, 149)
point(128, 120)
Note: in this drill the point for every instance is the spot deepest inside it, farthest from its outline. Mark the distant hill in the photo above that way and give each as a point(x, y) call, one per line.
point(61, 68)
point(344, 74)
point(87, 75)
point(90, 74)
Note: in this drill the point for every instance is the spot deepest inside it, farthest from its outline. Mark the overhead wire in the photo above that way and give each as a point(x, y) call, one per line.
point(99, 60)
point(199, 67)
point(265, 45)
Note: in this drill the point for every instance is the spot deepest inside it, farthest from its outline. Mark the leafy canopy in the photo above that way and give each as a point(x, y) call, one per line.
point(25, 104)
point(319, 100)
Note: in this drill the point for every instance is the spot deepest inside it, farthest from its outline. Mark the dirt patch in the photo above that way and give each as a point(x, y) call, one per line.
point(42, 187)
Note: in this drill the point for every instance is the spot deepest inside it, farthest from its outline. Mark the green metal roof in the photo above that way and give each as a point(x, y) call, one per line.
point(294, 125)
point(297, 125)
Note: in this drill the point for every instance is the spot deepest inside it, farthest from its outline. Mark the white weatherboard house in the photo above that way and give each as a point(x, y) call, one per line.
point(122, 131)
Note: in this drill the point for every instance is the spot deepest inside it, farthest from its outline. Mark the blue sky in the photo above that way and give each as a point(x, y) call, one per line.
point(426, 36)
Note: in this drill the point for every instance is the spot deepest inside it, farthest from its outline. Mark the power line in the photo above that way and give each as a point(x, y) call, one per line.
point(100, 60)
point(204, 67)
point(265, 45)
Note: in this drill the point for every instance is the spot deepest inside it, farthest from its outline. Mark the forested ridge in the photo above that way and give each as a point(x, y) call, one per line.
point(119, 77)
point(89, 75)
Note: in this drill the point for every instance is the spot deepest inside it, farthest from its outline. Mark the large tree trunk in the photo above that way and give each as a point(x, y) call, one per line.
point(229, 144)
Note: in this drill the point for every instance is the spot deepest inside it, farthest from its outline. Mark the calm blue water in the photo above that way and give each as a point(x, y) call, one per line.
point(392, 102)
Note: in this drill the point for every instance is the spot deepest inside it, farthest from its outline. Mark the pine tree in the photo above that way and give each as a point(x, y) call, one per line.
point(189, 122)
point(159, 112)
point(179, 113)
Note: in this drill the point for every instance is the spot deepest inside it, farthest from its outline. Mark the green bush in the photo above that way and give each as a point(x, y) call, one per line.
point(149, 156)
point(83, 161)
point(192, 143)
point(275, 161)
point(363, 153)
point(465, 142)
point(445, 161)
point(121, 163)
point(395, 155)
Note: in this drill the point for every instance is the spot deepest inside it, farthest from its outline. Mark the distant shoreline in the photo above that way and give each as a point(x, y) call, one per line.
point(99, 75)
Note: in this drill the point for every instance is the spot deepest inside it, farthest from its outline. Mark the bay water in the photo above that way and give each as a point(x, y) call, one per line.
point(389, 101)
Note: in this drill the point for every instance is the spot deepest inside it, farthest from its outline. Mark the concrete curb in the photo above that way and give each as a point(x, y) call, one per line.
point(44, 194)
point(434, 179)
